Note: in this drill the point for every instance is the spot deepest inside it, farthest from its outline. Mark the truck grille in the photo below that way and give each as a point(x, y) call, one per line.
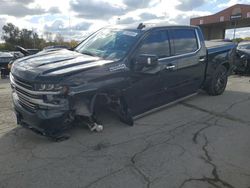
point(24, 84)
point(24, 102)
point(23, 95)
point(28, 98)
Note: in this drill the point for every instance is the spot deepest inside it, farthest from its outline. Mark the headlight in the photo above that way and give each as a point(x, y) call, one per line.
point(48, 87)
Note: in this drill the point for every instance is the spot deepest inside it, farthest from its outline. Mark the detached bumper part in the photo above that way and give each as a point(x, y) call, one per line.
point(96, 127)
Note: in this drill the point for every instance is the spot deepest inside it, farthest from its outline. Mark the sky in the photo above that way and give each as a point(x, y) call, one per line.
point(75, 19)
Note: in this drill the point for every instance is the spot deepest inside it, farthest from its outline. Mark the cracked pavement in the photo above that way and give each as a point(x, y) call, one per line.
point(203, 142)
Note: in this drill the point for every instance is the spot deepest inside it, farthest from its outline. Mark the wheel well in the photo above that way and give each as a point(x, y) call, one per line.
point(109, 99)
point(226, 65)
point(104, 99)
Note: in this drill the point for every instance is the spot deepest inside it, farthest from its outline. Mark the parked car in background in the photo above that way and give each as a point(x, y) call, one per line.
point(5, 58)
point(243, 46)
point(243, 58)
point(131, 70)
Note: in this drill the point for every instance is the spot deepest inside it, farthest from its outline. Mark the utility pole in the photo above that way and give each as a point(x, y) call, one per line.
point(70, 31)
point(34, 40)
point(235, 24)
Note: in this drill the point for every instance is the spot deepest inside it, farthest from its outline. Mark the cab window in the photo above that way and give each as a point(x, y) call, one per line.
point(156, 43)
point(185, 41)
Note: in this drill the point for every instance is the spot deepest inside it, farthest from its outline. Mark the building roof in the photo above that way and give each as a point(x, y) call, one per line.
point(238, 11)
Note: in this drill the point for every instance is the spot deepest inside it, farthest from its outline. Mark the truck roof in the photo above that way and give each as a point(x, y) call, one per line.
point(148, 26)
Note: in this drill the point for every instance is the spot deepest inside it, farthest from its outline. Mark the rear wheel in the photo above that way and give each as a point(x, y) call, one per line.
point(219, 81)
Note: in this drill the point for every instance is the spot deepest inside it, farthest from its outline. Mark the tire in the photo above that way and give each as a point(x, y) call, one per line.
point(219, 81)
point(124, 113)
point(248, 67)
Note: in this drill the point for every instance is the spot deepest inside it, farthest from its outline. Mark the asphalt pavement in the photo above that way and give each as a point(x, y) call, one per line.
point(203, 142)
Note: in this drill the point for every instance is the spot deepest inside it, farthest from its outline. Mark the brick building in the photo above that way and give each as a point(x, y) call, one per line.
point(214, 26)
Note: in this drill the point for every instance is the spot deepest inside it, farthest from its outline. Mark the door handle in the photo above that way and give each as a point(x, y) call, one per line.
point(170, 67)
point(202, 59)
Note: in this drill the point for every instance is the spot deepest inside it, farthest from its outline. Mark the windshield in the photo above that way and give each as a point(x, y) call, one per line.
point(111, 44)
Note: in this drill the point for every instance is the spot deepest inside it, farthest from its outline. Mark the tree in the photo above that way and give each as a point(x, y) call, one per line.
point(2, 46)
point(26, 38)
point(11, 35)
point(237, 40)
point(247, 38)
point(48, 36)
point(73, 43)
point(59, 39)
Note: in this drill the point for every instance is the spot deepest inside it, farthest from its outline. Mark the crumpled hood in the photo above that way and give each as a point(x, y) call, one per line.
point(54, 64)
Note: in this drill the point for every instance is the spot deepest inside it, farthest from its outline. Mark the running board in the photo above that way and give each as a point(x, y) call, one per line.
point(163, 106)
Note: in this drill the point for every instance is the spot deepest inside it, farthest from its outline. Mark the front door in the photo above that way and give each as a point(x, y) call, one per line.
point(145, 91)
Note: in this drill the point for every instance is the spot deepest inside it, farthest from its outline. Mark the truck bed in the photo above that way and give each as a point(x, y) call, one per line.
point(218, 46)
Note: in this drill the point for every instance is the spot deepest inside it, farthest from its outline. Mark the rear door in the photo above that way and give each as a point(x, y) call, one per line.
point(190, 56)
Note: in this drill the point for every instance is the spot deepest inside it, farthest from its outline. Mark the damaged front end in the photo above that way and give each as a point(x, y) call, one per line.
point(50, 110)
point(45, 110)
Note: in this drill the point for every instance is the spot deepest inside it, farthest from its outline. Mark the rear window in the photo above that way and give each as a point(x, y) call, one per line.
point(185, 41)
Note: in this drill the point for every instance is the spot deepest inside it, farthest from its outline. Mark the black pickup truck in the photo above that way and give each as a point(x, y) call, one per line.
point(130, 70)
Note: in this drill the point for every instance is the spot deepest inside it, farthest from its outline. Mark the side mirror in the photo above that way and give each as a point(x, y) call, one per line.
point(146, 60)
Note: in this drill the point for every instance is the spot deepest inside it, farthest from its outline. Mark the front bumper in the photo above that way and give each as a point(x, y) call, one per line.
point(47, 122)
